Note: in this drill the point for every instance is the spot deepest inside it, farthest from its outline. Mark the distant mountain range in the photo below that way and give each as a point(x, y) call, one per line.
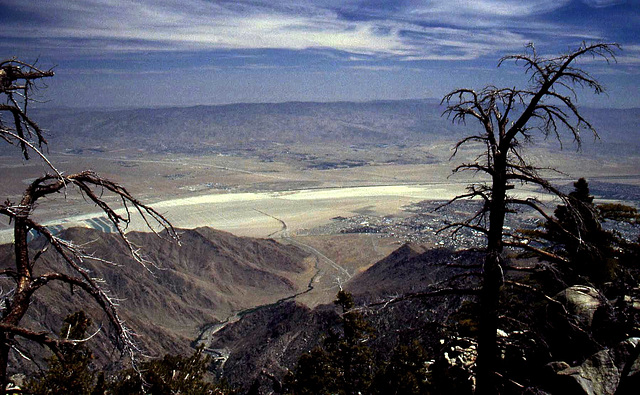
point(205, 129)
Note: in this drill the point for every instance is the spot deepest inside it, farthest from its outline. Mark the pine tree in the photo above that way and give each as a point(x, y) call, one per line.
point(70, 373)
point(344, 364)
point(577, 234)
point(406, 373)
point(169, 375)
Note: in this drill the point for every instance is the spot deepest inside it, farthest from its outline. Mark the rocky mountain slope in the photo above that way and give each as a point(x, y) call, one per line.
point(207, 278)
point(263, 345)
point(215, 275)
point(576, 342)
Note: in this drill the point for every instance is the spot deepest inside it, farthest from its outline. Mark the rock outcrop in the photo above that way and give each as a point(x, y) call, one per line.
point(610, 371)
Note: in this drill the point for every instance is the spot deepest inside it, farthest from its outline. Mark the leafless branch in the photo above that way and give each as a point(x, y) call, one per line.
point(542, 108)
point(17, 80)
point(426, 294)
point(15, 77)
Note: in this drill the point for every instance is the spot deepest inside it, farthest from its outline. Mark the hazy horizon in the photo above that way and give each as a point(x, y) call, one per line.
point(434, 100)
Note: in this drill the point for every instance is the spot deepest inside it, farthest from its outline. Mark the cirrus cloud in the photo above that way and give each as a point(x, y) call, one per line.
point(447, 29)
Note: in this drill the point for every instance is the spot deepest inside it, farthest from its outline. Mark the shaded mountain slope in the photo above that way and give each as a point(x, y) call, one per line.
point(209, 277)
point(266, 343)
point(410, 268)
point(270, 340)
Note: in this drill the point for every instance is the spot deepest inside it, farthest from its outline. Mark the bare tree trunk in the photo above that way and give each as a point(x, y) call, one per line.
point(4, 361)
point(14, 315)
point(492, 282)
point(20, 301)
point(487, 339)
point(503, 161)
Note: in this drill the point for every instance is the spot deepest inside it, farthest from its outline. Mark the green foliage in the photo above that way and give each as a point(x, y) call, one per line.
point(317, 372)
point(344, 365)
point(169, 375)
point(345, 300)
point(406, 373)
point(581, 191)
point(352, 348)
point(578, 235)
point(579, 219)
point(70, 372)
point(465, 319)
point(618, 212)
point(595, 257)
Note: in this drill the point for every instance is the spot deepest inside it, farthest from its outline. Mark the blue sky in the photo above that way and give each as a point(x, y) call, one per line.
point(144, 53)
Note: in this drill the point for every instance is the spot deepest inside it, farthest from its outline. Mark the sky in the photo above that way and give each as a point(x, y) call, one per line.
point(148, 53)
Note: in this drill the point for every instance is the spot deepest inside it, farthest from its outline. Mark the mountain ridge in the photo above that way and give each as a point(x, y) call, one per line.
point(267, 343)
point(214, 129)
point(203, 281)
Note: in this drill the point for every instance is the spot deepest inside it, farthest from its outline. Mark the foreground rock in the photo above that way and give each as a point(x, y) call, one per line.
point(582, 302)
point(607, 372)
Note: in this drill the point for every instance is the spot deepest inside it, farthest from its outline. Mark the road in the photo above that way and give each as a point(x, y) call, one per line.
point(283, 234)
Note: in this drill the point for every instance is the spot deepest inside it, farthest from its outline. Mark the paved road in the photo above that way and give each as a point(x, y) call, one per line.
point(283, 233)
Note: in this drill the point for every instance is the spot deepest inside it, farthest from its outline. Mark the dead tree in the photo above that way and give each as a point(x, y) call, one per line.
point(509, 117)
point(17, 79)
point(17, 82)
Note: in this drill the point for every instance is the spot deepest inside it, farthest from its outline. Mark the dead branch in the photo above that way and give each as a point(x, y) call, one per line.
point(17, 80)
point(43, 338)
point(426, 294)
point(543, 108)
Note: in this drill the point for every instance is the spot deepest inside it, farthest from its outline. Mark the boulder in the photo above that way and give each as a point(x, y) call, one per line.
point(579, 324)
point(556, 366)
point(609, 371)
point(582, 302)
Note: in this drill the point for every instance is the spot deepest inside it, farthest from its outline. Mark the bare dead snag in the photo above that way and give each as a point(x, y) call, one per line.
point(17, 80)
point(509, 118)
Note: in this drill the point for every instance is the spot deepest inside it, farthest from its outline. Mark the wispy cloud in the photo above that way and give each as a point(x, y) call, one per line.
point(263, 50)
point(384, 68)
point(452, 9)
point(194, 25)
point(417, 30)
point(602, 3)
point(630, 55)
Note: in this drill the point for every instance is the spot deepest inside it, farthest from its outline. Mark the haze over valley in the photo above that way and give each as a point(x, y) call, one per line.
point(232, 166)
point(344, 183)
